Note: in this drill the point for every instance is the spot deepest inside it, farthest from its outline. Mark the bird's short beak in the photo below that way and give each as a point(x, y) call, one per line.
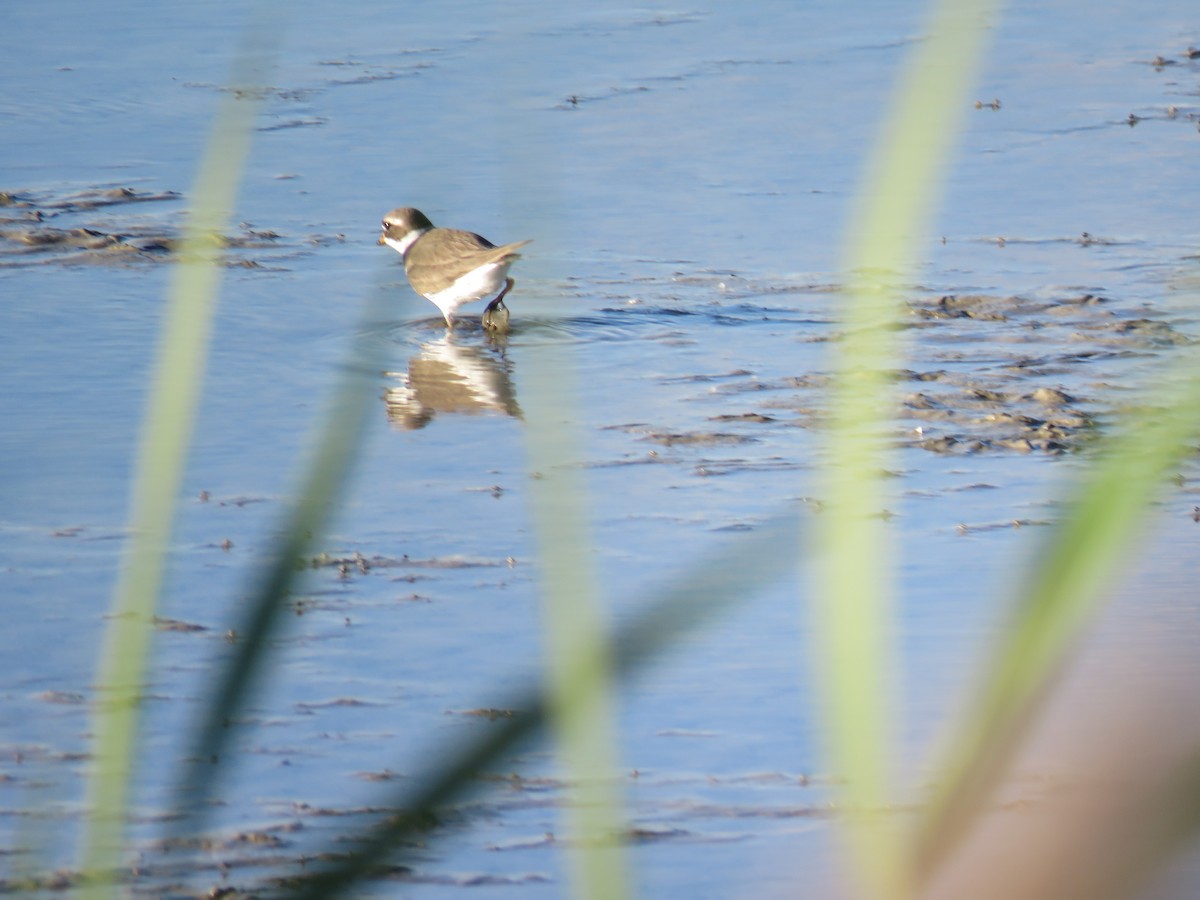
point(381, 240)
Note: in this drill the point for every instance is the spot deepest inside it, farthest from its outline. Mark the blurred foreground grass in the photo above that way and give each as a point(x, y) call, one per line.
point(890, 856)
point(175, 388)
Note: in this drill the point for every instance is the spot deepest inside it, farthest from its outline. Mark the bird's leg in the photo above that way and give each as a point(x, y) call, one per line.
point(508, 286)
point(495, 317)
point(498, 303)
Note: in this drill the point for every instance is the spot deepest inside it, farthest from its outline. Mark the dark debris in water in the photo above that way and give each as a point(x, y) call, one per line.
point(491, 714)
point(335, 703)
point(697, 438)
point(385, 775)
point(364, 564)
point(743, 417)
point(177, 625)
point(304, 122)
point(63, 698)
point(965, 528)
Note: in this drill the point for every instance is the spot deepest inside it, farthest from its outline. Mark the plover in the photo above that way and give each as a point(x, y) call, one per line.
point(452, 267)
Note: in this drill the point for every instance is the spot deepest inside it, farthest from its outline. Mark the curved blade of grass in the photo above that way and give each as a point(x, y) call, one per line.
point(714, 584)
point(1063, 590)
point(166, 432)
point(579, 668)
point(897, 200)
point(338, 439)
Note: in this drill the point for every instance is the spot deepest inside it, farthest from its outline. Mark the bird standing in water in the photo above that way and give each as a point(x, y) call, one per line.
point(452, 267)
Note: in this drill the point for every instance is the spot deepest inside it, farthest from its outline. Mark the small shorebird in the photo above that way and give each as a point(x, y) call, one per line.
point(452, 267)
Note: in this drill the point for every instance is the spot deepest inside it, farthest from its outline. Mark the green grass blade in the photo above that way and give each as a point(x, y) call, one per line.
point(175, 390)
point(1063, 590)
point(897, 201)
point(579, 667)
point(338, 439)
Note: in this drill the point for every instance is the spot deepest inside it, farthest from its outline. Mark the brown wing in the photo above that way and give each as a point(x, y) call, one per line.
point(438, 263)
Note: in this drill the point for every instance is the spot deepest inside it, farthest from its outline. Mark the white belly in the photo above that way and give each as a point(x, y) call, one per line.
point(486, 281)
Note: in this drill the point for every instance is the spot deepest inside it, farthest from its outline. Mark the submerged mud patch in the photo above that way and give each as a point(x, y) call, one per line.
point(1000, 373)
point(696, 438)
point(38, 229)
point(363, 564)
point(1033, 382)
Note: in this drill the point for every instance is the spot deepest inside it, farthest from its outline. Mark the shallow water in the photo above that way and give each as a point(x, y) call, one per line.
point(686, 176)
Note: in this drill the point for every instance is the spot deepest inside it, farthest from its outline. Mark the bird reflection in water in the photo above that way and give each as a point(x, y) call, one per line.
point(447, 376)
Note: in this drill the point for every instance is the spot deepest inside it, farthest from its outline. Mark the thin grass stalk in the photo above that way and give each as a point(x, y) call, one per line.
point(898, 198)
point(1062, 594)
point(579, 667)
point(175, 389)
point(338, 438)
point(578, 654)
